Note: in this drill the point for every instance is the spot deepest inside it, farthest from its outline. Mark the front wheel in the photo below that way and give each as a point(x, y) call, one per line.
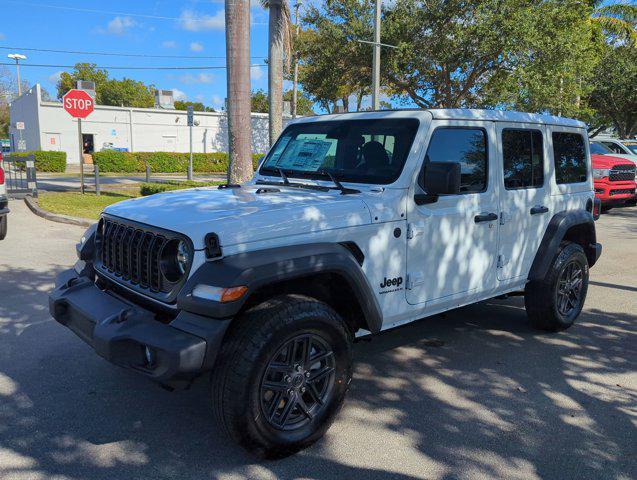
point(554, 303)
point(282, 375)
point(3, 227)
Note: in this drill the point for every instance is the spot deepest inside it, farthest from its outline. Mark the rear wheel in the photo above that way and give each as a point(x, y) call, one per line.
point(3, 227)
point(554, 303)
point(282, 375)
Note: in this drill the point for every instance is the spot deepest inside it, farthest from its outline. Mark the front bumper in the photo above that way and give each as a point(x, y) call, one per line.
point(121, 331)
point(614, 193)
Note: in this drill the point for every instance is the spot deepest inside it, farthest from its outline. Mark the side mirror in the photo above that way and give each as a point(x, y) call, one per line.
point(438, 178)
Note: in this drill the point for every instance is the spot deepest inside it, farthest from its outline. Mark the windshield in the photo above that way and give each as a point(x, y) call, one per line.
point(359, 151)
point(599, 149)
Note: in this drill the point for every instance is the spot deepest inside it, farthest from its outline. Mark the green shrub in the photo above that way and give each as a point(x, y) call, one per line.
point(45, 161)
point(110, 161)
point(147, 189)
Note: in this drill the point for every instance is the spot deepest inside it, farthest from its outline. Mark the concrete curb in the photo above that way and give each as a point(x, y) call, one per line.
point(54, 217)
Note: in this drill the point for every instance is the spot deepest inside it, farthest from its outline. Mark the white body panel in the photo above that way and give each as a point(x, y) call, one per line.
point(449, 261)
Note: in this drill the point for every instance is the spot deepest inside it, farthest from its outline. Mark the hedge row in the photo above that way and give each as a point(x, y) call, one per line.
point(147, 189)
point(45, 161)
point(111, 161)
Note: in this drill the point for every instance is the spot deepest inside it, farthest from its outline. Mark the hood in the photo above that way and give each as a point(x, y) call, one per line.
point(242, 215)
point(609, 161)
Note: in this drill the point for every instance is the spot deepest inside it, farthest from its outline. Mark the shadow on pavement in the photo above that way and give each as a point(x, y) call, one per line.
point(476, 392)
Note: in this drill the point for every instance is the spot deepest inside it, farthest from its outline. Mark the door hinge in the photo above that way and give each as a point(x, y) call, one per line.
point(504, 218)
point(414, 279)
point(414, 230)
point(502, 261)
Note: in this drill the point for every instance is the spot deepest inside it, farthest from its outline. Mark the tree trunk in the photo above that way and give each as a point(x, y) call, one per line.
point(275, 69)
point(238, 108)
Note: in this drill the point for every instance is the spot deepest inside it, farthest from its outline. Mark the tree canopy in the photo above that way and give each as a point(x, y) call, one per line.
point(109, 91)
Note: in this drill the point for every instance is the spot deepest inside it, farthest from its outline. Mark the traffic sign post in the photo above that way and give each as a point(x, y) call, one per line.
point(79, 104)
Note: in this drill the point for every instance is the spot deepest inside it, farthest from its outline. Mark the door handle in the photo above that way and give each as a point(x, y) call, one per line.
point(539, 209)
point(485, 217)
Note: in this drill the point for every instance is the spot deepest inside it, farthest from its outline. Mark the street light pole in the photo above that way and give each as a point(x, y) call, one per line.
point(17, 57)
point(295, 86)
point(376, 60)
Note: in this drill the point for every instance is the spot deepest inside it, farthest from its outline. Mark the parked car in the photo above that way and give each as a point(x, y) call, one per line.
point(601, 148)
point(615, 145)
point(4, 204)
point(353, 224)
point(614, 178)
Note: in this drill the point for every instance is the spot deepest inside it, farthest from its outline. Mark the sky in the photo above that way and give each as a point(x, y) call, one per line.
point(193, 28)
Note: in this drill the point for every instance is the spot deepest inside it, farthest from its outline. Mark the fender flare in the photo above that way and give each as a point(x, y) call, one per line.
point(555, 233)
point(265, 267)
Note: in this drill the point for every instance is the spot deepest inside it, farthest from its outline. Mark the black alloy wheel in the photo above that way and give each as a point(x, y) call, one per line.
point(298, 382)
point(569, 289)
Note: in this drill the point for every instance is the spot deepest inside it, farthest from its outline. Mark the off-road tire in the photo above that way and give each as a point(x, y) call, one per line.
point(250, 347)
point(541, 298)
point(3, 227)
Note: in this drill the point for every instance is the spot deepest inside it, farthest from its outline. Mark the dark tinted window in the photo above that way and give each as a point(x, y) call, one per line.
point(523, 156)
point(365, 151)
point(467, 146)
point(569, 155)
point(613, 147)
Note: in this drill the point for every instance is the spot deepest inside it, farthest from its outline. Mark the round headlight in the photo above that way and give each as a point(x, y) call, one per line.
point(183, 257)
point(175, 259)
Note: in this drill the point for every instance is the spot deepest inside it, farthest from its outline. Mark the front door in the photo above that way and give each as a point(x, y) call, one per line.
point(452, 243)
point(524, 206)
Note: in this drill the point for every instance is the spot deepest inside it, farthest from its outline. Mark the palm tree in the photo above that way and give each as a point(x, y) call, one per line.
point(279, 48)
point(238, 107)
point(618, 20)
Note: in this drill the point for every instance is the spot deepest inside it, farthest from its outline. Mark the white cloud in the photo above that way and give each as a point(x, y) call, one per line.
point(2, 36)
point(55, 77)
point(169, 44)
point(218, 102)
point(256, 73)
point(179, 95)
point(190, 79)
point(120, 25)
point(195, 21)
point(196, 47)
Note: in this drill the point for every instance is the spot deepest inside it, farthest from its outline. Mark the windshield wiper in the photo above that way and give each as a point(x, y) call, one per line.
point(344, 190)
point(283, 176)
point(293, 185)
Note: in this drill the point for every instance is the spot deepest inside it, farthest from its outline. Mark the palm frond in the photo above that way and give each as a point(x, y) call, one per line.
point(621, 11)
point(618, 28)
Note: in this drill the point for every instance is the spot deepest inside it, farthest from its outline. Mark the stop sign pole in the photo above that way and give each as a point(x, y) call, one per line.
point(79, 104)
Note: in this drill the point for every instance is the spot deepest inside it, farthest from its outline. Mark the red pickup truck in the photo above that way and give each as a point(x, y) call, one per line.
point(614, 180)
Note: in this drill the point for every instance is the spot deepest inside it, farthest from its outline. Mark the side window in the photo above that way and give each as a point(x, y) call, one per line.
point(467, 146)
point(523, 156)
point(569, 155)
point(613, 147)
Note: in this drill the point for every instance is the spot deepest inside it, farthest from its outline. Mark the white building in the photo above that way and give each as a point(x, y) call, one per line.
point(47, 126)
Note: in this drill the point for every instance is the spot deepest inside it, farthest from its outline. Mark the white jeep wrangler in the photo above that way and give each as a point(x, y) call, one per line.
point(353, 224)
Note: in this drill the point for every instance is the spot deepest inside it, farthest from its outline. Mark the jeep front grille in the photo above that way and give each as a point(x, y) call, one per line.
point(622, 173)
point(131, 254)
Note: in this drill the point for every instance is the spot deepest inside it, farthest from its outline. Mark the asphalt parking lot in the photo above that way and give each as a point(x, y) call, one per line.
point(472, 394)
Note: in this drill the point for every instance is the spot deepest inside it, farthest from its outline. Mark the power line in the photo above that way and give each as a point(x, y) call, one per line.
point(110, 12)
point(113, 54)
point(203, 67)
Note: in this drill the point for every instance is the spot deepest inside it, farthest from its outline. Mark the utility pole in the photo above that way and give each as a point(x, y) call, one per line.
point(376, 61)
point(191, 121)
point(295, 87)
point(17, 57)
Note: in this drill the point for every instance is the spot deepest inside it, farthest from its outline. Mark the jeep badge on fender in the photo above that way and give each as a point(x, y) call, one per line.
point(261, 288)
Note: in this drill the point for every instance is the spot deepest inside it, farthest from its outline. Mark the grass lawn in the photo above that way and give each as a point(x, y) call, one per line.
point(88, 205)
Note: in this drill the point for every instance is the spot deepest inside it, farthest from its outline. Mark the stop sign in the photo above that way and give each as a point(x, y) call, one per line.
point(78, 103)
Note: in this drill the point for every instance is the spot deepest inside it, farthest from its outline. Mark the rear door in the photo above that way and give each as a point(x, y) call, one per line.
point(524, 196)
